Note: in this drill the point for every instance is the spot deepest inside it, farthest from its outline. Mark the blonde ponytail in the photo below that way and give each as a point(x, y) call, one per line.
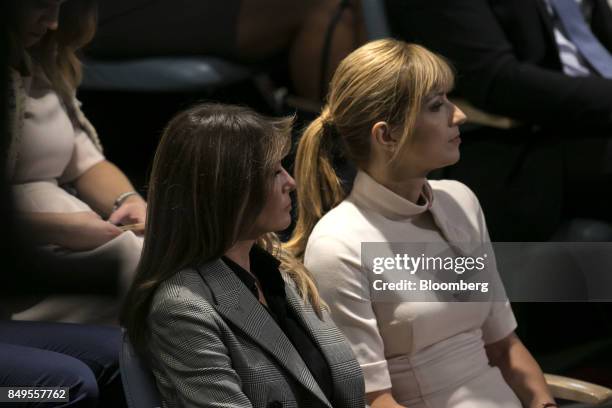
point(318, 187)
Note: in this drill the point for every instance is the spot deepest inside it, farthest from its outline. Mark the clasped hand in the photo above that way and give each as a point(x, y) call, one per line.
point(87, 230)
point(132, 212)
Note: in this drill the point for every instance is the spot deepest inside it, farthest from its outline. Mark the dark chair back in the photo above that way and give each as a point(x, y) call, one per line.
point(138, 381)
point(375, 19)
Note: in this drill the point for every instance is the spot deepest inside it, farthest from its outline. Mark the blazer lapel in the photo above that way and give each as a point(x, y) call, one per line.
point(234, 302)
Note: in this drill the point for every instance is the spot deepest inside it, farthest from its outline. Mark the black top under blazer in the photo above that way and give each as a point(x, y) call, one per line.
point(213, 344)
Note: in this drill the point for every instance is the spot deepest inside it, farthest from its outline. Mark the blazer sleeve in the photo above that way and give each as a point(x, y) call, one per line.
point(187, 346)
point(490, 74)
point(343, 286)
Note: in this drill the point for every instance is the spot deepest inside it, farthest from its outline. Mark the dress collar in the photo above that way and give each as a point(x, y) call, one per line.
point(368, 192)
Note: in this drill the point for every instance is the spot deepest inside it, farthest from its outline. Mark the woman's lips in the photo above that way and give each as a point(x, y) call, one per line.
point(456, 139)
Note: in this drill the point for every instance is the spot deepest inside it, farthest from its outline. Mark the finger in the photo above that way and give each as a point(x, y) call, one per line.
point(117, 216)
point(136, 213)
point(139, 229)
point(141, 218)
point(133, 227)
point(113, 229)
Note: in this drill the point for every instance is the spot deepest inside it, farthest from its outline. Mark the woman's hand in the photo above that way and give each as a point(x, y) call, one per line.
point(132, 211)
point(85, 231)
point(520, 370)
point(100, 186)
point(79, 231)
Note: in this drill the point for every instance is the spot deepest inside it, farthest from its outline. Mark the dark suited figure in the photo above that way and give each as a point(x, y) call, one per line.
point(513, 59)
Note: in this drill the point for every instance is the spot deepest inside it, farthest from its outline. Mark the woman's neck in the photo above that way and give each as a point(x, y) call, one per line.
point(410, 189)
point(239, 253)
point(405, 185)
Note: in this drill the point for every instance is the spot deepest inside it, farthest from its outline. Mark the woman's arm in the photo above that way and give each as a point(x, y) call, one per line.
point(80, 231)
point(186, 344)
point(520, 370)
point(100, 186)
point(382, 399)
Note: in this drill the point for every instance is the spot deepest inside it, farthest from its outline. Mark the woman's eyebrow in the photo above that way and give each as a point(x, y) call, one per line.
point(434, 95)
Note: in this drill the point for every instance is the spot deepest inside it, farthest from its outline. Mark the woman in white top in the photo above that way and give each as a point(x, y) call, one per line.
point(388, 113)
point(52, 145)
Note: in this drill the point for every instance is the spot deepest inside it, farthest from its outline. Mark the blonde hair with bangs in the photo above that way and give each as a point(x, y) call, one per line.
point(385, 80)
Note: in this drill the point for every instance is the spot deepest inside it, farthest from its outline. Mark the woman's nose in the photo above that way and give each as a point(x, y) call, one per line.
point(290, 183)
point(51, 17)
point(459, 117)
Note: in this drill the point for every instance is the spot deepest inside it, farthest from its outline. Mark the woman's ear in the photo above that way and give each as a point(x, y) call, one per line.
point(381, 135)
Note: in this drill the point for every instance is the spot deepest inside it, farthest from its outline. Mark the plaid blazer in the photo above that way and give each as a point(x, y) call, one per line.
point(214, 345)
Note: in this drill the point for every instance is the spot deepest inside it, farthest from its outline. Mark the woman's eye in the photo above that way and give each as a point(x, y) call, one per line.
point(436, 106)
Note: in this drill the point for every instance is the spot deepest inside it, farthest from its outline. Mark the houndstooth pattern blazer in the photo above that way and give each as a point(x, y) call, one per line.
point(214, 345)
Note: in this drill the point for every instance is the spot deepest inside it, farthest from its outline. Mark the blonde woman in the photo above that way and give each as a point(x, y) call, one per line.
point(388, 113)
point(225, 318)
point(52, 145)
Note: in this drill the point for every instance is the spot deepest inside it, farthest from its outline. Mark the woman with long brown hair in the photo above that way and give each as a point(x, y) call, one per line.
point(61, 181)
point(225, 317)
point(388, 113)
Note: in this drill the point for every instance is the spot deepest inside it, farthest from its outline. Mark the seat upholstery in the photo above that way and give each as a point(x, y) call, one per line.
point(161, 74)
point(138, 381)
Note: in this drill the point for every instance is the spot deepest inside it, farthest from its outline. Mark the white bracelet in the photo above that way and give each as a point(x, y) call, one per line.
point(122, 197)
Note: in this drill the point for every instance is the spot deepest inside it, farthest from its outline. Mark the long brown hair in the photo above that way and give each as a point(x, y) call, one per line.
point(384, 80)
point(209, 181)
point(56, 53)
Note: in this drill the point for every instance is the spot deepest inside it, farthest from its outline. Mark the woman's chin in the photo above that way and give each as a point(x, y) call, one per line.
point(284, 223)
point(453, 158)
point(445, 163)
point(284, 226)
point(456, 159)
